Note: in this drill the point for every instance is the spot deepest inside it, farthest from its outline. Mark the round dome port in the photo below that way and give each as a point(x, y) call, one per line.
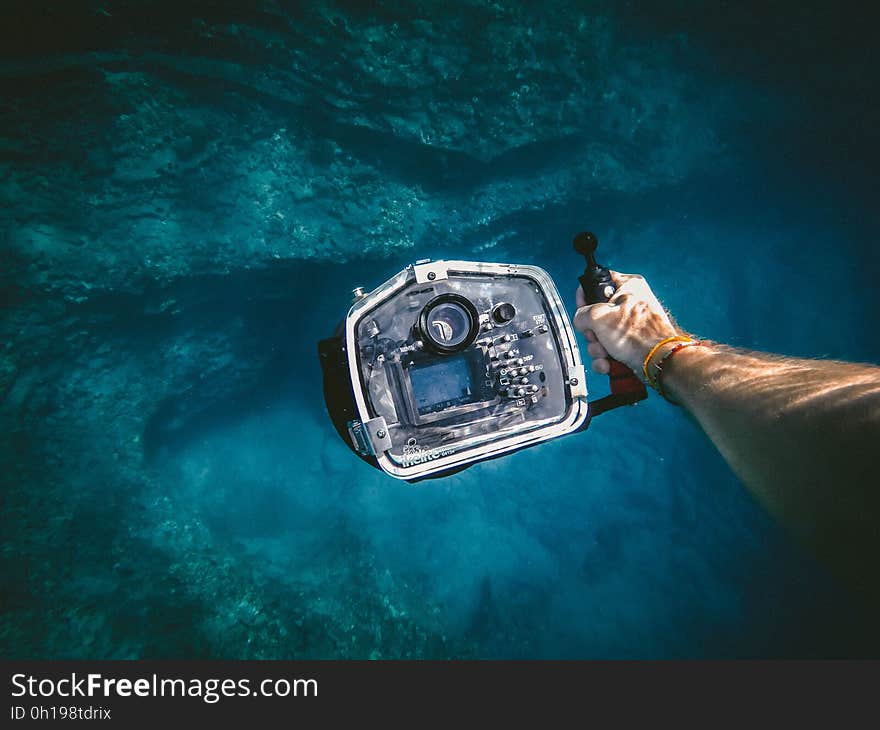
point(448, 323)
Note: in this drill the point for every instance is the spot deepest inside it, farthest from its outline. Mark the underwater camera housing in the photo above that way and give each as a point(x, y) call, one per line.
point(453, 362)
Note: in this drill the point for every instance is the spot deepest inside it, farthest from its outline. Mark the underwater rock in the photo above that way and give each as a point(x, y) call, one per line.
point(327, 132)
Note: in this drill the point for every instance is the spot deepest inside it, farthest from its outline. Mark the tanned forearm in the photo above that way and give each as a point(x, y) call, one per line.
point(804, 436)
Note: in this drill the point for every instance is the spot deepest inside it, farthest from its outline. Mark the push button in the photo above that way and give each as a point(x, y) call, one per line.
point(503, 313)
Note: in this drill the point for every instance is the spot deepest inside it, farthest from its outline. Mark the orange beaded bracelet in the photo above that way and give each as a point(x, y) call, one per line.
point(664, 341)
point(663, 360)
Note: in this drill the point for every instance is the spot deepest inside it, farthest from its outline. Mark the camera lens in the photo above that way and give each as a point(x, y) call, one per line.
point(448, 323)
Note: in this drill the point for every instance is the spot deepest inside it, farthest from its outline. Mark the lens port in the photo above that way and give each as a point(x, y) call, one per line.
point(503, 313)
point(448, 323)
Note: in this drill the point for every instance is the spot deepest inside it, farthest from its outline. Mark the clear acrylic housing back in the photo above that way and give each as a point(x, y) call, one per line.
point(509, 387)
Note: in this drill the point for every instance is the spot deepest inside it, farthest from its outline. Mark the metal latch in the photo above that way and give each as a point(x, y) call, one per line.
point(430, 271)
point(358, 438)
point(377, 432)
point(577, 382)
point(370, 438)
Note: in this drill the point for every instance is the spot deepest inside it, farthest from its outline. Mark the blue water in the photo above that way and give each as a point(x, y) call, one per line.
point(189, 202)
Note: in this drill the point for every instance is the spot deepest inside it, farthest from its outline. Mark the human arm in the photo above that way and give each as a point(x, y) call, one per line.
point(803, 435)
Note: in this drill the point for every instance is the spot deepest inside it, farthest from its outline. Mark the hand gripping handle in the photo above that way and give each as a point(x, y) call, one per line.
point(596, 282)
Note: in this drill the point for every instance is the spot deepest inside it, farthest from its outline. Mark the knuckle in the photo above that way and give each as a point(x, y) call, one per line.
point(590, 313)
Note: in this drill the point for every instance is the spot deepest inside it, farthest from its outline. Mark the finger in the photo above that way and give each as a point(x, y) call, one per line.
point(596, 350)
point(579, 299)
point(601, 366)
point(591, 336)
point(585, 316)
point(619, 278)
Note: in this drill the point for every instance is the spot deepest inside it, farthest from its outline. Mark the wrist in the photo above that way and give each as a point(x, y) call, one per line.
point(685, 371)
point(656, 356)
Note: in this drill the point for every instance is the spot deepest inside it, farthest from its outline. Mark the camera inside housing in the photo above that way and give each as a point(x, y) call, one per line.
point(455, 362)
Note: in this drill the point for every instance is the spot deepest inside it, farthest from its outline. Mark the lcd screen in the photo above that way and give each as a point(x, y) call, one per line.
point(443, 384)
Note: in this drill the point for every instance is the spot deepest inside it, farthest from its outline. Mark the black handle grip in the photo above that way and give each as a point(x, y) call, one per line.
point(598, 286)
